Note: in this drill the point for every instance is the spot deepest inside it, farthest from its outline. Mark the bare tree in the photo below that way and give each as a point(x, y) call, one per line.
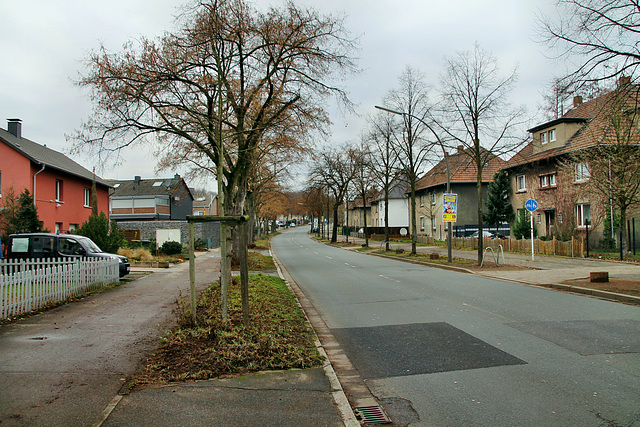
point(411, 148)
point(382, 159)
point(601, 35)
point(364, 184)
point(477, 113)
point(335, 169)
point(210, 91)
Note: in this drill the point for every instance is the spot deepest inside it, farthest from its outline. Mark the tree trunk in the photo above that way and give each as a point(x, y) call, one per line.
point(334, 228)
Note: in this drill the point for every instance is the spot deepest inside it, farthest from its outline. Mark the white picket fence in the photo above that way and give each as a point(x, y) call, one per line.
point(29, 285)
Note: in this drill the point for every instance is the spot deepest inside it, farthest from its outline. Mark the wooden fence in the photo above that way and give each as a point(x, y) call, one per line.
point(572, 248)
point(28, 285)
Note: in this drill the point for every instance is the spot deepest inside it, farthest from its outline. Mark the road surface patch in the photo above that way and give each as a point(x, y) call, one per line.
point(417, 348)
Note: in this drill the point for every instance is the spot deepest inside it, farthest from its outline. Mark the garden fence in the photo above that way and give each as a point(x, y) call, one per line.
point(31, 284)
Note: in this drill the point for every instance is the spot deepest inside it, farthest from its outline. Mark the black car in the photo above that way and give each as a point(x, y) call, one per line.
point(50, 245)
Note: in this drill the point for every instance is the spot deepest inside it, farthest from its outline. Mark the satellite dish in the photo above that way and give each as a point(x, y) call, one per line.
point(403, 231)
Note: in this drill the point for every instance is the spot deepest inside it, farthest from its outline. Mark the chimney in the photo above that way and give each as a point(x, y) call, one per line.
point(137, 179)
point(460, 148)
point(176, 176)
point(624, 80)
point(15, 127)
point(577, 100)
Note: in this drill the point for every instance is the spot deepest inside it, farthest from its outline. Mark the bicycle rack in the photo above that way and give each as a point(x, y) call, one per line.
point(496, 260)
point(385, 241)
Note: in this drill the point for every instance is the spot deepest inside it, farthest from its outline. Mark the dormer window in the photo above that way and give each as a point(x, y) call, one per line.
point(548, 136)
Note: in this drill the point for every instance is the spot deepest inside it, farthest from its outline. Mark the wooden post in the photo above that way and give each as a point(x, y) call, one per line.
point(244, 271)
point(192, 274)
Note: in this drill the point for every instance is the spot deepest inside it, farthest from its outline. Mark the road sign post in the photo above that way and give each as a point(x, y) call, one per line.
point(531, 205)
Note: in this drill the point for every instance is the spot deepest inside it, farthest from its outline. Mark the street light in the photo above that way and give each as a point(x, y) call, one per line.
point(446, 160)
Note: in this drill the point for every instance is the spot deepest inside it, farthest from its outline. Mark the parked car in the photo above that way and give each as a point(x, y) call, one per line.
point(50, 245)
point(498, 236)
point(489, 235)
point(485, 233)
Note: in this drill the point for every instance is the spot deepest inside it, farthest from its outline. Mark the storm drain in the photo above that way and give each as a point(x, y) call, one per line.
point(371, 415)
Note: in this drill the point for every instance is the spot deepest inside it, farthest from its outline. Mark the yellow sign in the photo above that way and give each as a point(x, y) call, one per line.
point(450, 208)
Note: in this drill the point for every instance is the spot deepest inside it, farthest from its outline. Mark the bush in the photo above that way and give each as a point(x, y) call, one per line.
point(199, 244)
point(170, 248)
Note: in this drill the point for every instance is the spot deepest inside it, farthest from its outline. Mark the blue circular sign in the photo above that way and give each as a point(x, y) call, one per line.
point(531, 205)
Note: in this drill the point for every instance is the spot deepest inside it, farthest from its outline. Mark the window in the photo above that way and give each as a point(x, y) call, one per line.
point(69, 247)
point(582, 172)
point(433, 223)
point(58, 227)
point(583, 214)
point(552, 135)
point(87, 198)
point(421, 223)
point(157, 184)
point(521, 183)
point(73, 227)
point(433, 198)
point(543, 138)
point(548, 180)
point(421, 200)
point(58, 190)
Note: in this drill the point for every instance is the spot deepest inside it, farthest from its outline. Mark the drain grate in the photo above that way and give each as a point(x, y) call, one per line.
point(371, 415)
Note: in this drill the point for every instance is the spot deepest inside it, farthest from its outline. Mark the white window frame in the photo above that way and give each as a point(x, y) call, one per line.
point(59, 189)
point(580, 214)
point(524, 183)
point(552, 135)
point(543, 138)
point(422, 223)
point(87, 197)
point(548, 180)
point(582, 172)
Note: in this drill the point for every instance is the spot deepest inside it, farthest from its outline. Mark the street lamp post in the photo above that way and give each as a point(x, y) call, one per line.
point(446, 160)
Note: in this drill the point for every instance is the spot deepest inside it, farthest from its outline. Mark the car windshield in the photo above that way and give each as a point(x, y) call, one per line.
point(89, 243)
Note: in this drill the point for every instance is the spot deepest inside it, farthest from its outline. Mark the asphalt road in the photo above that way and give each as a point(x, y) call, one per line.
point(443, 348)
point(63, 367)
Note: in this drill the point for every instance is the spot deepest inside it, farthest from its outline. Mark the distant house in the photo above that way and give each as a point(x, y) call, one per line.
point(157, 209)
point(398, 206)
point(61, 188)
point(204, 203)
point(154, 199)
point(431, 187)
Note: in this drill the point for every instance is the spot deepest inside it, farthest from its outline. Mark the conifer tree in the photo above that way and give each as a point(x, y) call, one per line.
point(499, 209)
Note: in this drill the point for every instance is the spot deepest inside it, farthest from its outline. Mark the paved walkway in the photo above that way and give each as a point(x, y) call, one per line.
point(549, 270)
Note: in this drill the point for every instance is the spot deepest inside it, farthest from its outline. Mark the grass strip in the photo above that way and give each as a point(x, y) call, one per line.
point(278, 338)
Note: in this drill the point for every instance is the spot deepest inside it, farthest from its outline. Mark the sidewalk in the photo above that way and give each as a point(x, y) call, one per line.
point(266, 399)
point(547, 270)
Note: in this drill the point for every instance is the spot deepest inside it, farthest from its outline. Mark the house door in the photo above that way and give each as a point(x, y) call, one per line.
point(549, 220)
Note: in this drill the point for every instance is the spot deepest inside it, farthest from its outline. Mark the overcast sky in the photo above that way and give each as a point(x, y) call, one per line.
point(43, 43)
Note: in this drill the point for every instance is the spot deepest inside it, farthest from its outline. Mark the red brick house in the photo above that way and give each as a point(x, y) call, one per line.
point(61, 188)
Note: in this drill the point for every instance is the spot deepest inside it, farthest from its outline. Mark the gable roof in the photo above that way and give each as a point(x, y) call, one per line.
point(593, 114)
point(43, 155)
point(462, 169)
point(149, 187)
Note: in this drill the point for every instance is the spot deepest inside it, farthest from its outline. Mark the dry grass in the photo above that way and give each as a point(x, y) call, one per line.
point(279, 336)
